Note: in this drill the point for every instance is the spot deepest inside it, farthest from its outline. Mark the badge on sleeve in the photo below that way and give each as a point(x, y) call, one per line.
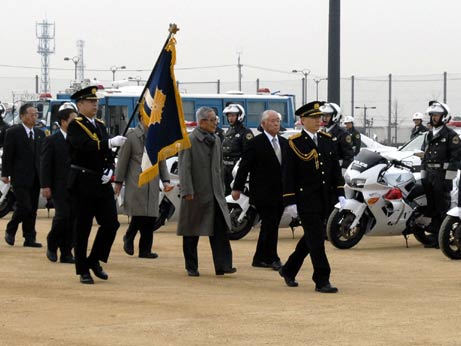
point(455, 140)
point(348, 139)
point(249, 135)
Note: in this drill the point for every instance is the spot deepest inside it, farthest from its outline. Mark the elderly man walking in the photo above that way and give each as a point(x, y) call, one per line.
point(203, 206)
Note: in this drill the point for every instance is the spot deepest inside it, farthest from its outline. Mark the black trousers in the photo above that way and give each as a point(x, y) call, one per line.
point(88, 203)
point(219, 242)
point(266, 249)
point(61, 234)
point(145, 226)
point(26, 211)
point(227, 171)
point(313, 243)
point(437, 191)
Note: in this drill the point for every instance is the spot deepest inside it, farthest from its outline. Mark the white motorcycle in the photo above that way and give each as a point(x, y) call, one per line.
point(383, 198)
point(450, 234)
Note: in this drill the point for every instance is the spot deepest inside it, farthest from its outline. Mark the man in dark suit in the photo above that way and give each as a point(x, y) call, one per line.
point(21, 167)
point(262, 159)
point(310, 174)
point(92, 195)
point(54, 172)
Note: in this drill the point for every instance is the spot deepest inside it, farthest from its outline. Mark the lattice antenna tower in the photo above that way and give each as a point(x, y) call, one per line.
point(46, 46)
point(80, 65)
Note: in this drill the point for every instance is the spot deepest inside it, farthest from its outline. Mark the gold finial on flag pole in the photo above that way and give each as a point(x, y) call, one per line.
point(173, 28)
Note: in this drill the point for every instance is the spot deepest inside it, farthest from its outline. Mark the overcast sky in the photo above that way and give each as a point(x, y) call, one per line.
point(412, 37)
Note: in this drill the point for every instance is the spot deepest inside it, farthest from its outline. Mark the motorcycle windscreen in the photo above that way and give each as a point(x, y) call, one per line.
point(365, 160)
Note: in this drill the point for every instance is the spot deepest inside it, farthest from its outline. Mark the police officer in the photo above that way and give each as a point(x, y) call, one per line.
point(92, 195)
point(235, 141)
point(419, 127)
point(355, 135)
point(442, 152)
point(311, 176)
point(341, 139)
point(3, 124)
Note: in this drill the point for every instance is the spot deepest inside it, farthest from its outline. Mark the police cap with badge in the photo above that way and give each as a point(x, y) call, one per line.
point(311, 109)
point(88, 93)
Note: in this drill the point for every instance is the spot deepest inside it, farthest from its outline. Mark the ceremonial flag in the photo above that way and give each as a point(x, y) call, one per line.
point(161, 110)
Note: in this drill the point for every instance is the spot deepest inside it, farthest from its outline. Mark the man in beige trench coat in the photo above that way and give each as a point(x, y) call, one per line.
point(203, 205)
point(141, 203)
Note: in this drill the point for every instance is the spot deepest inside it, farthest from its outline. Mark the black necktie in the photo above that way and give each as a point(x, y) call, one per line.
point(31, 140)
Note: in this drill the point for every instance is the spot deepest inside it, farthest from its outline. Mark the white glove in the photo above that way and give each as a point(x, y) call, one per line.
point(342, 201)
point(107, 175)
point(117, 141)
point(291, 210)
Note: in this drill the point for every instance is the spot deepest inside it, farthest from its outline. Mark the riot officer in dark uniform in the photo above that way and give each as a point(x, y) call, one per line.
point(419, 127)
point(92, 195)
point(442, 152)
point(341, 139)
point(355, 135)
point(234, 142)
point(311, 176)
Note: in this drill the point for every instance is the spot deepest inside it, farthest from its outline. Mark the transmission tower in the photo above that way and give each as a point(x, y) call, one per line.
point(45, 34)
point(80, 65)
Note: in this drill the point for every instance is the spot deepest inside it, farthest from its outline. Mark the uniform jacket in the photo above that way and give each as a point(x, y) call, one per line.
point(200, 173)
point(444, 148)
point(356, 139)
point(55, 165)
point(415, 131)
point(89, 149)
point(21, 161)
point(260, 161)
point(311, 174)
point(343, 145)
point(144, 200)
point(235, 141)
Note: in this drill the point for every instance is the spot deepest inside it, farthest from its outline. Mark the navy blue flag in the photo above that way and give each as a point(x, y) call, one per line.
point(161, 110)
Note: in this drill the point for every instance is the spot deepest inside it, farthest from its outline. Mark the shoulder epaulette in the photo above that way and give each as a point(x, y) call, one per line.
point(325, 133)
point(99, 121)
point(296, 135)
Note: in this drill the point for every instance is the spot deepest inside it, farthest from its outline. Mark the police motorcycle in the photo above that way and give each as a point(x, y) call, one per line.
point(383, 198)
point(244, 215)
point(450, 231)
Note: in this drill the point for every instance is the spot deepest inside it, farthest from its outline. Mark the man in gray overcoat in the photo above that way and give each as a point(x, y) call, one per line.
point(141, 203)
point(203, 205)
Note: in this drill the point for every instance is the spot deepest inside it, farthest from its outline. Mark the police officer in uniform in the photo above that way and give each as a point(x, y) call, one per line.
point(419, 127)
point(311, 174)
point(442, 152)
point(341, 139)
point(92, 164)
point(355, 135)
point(235, 141)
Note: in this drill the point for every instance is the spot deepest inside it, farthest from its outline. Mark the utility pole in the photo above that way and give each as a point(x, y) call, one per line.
point(334, 47)
point(389, 123)
point(365, 122)
point(239, 66)
point(80, 65)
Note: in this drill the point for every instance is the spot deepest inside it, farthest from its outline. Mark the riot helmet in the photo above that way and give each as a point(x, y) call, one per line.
point(333, 110)
point(235, 108)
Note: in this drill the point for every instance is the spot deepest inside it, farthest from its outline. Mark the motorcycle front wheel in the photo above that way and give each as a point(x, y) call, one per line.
point(450, 237)
point(240, 229)
point(338, 231)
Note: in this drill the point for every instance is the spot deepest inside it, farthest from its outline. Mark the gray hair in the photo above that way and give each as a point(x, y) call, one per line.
point(202, 113)
point(268, 112)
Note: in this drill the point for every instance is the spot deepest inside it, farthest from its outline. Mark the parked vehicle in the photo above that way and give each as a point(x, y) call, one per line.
point(450, 235)
point(383, 198)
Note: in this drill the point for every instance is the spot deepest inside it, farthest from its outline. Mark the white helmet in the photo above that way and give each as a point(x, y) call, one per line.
point(237, 109)
point(348, 119)
point(417, 116)
point(68, 105)
point(332, 109)
point(439, 108)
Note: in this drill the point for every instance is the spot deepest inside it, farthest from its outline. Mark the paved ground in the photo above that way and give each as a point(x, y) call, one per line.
point(389, 295)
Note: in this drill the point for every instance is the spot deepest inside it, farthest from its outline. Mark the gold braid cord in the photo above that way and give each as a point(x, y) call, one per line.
point(306, 157)
point(93, 136)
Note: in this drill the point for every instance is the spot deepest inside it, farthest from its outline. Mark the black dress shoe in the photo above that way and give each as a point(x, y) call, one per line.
point(9, 239)
point(128, 246)
point(148, 255)
point(226, 271)
point(67, 259)
point(326, 289)
point(98, 271)
point(86, 278)
point(276, 265)
point(261, 264)
point(32, 243)
point(289, 281)
point(193, 272)
point(51, 255)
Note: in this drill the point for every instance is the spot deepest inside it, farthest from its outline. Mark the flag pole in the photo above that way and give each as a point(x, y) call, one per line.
point(172, 29)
